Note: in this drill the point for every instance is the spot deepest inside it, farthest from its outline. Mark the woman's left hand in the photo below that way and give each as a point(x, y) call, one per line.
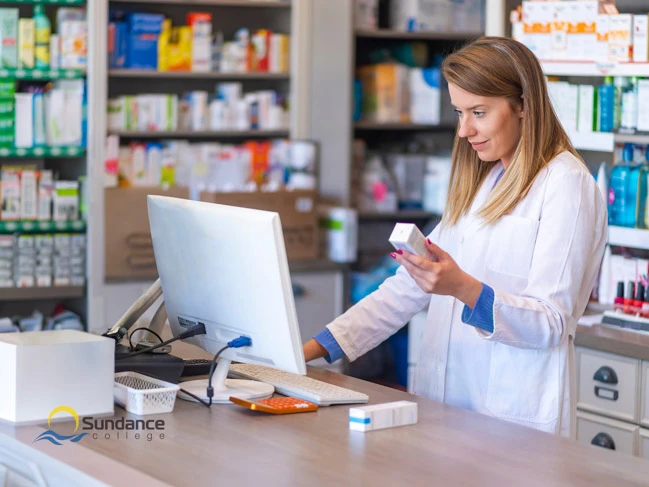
point(438, 273)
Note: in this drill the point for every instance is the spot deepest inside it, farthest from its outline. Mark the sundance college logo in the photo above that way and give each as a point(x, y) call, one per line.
point(99, 428)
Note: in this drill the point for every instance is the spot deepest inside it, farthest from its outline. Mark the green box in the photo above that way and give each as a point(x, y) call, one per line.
point(7, 124)
point(7, 139)
point(7, 107)
point(9, 37)
point(7, 88)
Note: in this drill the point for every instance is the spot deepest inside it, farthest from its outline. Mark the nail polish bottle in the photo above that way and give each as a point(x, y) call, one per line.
point(645, 304)
point(629, 297)
point(618, 304)
point(639, 299)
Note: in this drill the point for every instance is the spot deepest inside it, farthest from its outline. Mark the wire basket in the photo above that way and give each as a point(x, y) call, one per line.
point(140, 394)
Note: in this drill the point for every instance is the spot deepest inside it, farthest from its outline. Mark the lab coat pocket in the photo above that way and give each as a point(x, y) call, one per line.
point(523, 384)
point(511, 246)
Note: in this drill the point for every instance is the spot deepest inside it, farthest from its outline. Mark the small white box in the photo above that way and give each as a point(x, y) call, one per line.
point(601, 47)
point(24, 124)
point(381, 416)
point(406, 236)
point(640, 38)
point(42, 371)
point(643, 101)
point(620, 37)
point(425, 95)
point(586, 120)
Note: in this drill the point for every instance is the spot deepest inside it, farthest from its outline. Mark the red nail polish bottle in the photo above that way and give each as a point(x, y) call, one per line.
point(639, 299)
point(629, 298)
point(645, 304)
point(618, 304)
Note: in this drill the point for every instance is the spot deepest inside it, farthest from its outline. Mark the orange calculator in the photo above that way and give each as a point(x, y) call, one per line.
point(277, 405)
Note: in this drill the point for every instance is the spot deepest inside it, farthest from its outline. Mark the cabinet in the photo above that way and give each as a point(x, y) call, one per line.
point(612, 401)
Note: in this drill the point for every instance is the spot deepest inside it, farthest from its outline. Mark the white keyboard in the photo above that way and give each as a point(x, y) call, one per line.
point(300, 386)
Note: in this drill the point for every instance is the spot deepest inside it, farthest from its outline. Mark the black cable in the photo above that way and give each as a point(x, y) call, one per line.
point(197, 330)
point(130, 337)
point(204, 403)
point(210, 389)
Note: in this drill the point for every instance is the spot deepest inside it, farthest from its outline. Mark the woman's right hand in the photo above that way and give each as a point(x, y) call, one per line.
point(313, 350)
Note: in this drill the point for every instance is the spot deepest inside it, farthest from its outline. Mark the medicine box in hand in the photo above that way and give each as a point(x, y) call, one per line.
point(406, 236)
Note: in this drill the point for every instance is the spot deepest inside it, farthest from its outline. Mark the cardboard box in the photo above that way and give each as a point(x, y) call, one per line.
point(640, 38)
point(620, 38)
point(129, 251)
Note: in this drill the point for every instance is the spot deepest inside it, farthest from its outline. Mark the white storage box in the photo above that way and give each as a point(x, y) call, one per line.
point(43, 370)
point(140, 394)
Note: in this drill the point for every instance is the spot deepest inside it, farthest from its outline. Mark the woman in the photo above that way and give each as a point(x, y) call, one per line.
point(511, 266)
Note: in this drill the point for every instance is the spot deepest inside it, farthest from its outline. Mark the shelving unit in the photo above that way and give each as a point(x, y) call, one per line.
point(40, 74)
point(628, 237)
point(594, 69)
point(21, 300)
point(209, 134)
point(42, 152)
point(414, 36)
point(402, 126)
point(142, 73)
point(41, 293)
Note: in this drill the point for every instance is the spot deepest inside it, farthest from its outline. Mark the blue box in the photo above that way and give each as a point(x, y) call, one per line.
point(142, 42)
point(118, 44)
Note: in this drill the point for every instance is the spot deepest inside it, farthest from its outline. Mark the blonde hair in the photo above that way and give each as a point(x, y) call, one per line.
point(502, 67)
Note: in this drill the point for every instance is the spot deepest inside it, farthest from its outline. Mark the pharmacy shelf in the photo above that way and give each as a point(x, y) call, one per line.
point(45, 152)
point(215, 134)
point(10, 227)
point(44, 2)
point(639, 138)
point(590, 69)
point(34, 293)
point(214, 3)
point(142, 73)
point(41, 74)
point(593, 141)
point(628, 237)
point(366, 125)
point(415, 36)
point(397, 215)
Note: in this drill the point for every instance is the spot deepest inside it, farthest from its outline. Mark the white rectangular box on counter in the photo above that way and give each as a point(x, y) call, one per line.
point(381, 416)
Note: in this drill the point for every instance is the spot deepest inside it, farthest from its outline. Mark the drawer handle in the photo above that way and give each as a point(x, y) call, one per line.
point(606, 375)
point(603, 440)
point(606, 393)
point(298, 290)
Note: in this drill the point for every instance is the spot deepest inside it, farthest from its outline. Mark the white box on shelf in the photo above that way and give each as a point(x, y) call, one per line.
point(586, 120)
point(643, 101)
point(28, 195)
point(620, 38)
point(602, 29)
point(641, 38)
point(24, 136)
point(425, 95)
point(559, 31)
point(421, 15)
point(43, 371)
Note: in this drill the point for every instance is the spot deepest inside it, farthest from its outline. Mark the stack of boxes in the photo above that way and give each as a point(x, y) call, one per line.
point(42, 260)
point(581, 30)
point(7, 244)
point(393, 92)
point(69, 259)
point(140, 40)
point(7, 113)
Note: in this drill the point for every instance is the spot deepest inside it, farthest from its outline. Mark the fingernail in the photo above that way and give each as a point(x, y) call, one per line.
point(393, 255)
point(400, 252)
point(428, 240)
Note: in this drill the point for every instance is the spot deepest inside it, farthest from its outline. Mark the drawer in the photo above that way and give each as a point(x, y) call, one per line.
point(608, 384)
point(643, 443)
point(318, 301)
point(604, 432)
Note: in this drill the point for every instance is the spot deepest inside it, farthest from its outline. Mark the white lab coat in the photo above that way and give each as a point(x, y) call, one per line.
point(541, 261)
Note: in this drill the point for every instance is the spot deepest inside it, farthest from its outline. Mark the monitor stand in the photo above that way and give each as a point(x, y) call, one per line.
point(225, 388)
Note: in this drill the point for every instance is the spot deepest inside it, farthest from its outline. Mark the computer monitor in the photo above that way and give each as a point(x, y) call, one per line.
point(226, 267)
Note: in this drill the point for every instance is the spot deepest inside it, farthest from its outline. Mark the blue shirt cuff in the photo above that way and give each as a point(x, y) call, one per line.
point(482, 316)
point(329, 343)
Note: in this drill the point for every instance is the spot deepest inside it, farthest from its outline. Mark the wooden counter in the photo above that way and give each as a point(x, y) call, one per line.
point(228, 445)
